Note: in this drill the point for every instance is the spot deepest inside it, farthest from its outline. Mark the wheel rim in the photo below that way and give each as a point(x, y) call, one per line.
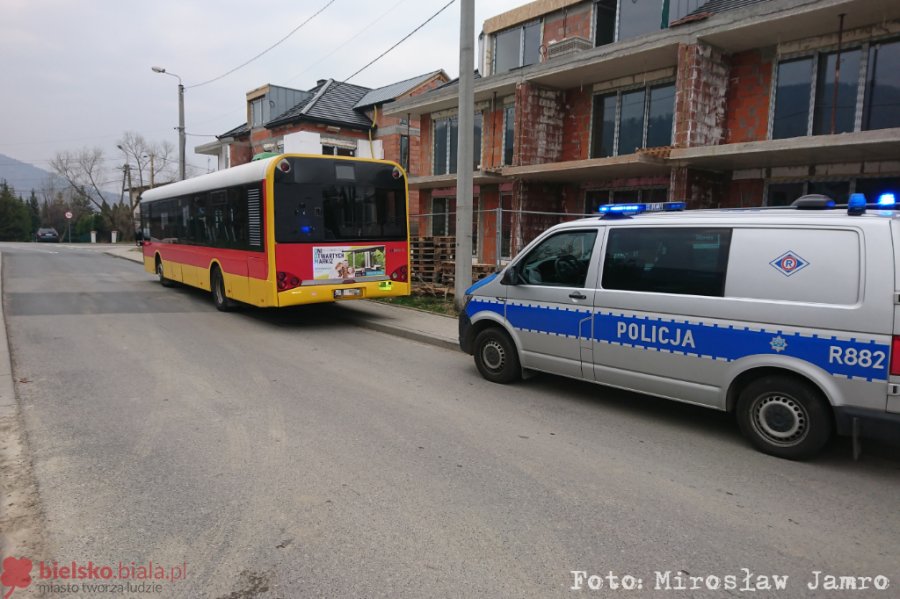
point(493, 355)
point(218, 290)
point(780, 419)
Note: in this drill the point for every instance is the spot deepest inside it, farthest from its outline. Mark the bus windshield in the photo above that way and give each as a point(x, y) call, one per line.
point(321, 199)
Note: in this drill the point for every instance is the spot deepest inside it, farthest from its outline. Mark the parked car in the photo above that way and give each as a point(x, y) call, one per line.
point(47, 234)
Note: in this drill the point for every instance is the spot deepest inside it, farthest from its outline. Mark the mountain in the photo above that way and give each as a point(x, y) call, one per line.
point(23, 177)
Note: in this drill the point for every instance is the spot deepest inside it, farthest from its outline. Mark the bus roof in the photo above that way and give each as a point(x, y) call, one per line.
point(236, 175)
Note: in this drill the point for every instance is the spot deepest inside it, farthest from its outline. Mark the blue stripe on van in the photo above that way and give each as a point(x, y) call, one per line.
point(851, 358)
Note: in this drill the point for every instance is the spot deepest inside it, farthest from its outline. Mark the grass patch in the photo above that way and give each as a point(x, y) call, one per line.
point(438, 305)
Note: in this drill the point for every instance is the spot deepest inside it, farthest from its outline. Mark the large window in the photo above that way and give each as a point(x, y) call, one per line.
point(519, 46)
point(819, 94)
point(690, 261)
point(446, 136)
point(625, 121)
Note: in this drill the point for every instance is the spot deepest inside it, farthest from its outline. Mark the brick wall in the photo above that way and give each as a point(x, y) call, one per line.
point(743, 193)
point(539, 124)
point(747, 100)
point(700, 189)
point(570, 22)
point(701, 84)
point(577, 124)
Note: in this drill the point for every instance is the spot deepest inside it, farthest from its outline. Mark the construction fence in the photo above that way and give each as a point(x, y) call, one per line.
point(497, 236)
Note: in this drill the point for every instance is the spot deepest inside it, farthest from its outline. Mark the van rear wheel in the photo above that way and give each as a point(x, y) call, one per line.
point(784, 417)
point(496, 357)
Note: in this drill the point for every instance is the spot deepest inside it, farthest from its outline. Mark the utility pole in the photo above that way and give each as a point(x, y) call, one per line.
point(464, 152)
point(181, 133)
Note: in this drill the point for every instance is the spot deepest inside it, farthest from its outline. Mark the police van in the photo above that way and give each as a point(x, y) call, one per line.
point(790, 318)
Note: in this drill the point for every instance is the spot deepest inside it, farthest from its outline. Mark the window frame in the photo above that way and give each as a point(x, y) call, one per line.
point(817, 55)
point(451, 122)
point(646, 88)
point(520, 62)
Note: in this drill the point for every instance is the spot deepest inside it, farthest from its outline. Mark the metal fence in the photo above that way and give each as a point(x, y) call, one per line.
point(508, 230)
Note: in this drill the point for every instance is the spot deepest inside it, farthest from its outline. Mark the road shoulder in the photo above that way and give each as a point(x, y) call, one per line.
point(21, 516)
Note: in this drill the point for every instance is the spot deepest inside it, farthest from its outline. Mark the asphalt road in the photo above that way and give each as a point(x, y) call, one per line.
point(292, 454)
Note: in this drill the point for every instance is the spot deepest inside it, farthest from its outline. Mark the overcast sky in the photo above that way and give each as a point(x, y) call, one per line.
point(77, 73)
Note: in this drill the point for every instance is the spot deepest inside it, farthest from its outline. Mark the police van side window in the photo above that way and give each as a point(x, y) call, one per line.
point(689, 261)
point(561, 260)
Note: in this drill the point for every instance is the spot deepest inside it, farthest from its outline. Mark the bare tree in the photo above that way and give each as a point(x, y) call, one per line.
point(83, 170)
point(151, 162)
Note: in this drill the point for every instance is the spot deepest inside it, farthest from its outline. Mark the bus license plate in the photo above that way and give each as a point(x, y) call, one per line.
point(347, 293)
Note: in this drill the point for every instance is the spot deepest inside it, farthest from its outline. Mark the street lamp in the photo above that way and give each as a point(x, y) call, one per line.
point(180, 119)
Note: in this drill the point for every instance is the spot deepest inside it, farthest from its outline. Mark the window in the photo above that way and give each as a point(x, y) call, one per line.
point(809, 102)
point(637, 17)
point(329, 150)
point(256, 112)
point(688, 261)
point(792, 98)
point(782, 194)
point(509, 132)
point(882, 105)
point(625, 121)
point(446, 134)
point(843, 114)
point(443, 216)
point(624, 19)
point(228, 218)
point(404, 152)
point(517, 47)
point(560, 261)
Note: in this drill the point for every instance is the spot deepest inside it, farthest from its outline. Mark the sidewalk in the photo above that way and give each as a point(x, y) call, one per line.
point(409, 323)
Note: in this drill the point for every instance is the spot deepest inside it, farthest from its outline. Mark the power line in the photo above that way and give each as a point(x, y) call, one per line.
point(240, 66)
point(346, 42)
point(410, 34)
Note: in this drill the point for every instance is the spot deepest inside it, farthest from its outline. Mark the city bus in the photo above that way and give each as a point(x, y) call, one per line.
point(283, 231)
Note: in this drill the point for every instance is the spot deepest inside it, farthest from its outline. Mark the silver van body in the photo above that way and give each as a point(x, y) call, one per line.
point(706, 307)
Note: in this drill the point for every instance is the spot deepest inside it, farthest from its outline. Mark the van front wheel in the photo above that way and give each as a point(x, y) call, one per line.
point(784, 417)
point(496, 357)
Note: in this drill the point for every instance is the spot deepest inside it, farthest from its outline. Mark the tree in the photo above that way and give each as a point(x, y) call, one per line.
point(150, 163)
point(15, 222)
point(83, 170)
point(34, 211)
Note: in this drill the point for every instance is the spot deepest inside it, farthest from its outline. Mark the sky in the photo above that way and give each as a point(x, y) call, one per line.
point(77, 74)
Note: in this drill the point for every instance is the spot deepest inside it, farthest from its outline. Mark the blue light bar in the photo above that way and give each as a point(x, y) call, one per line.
point(887, 199)
point(641, 207)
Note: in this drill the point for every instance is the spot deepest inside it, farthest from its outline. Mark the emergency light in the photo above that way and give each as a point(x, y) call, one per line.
point(641, 207)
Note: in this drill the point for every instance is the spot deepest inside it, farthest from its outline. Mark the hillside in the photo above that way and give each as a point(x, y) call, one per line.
point(23, 177)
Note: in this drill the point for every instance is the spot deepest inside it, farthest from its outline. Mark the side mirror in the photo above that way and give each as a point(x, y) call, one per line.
point(510, 276)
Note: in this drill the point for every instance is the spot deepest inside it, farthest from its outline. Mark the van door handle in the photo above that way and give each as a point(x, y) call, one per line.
point(577, 295)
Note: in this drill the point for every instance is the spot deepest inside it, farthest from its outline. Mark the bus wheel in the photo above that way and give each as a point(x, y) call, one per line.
point(161, 275)
point(217, 284)
point(496, 357)
point(784, 417)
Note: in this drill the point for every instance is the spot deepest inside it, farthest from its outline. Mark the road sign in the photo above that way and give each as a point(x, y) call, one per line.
point(69, 215)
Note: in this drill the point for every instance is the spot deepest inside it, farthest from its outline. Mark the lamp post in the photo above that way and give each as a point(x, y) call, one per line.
point(180, 119)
